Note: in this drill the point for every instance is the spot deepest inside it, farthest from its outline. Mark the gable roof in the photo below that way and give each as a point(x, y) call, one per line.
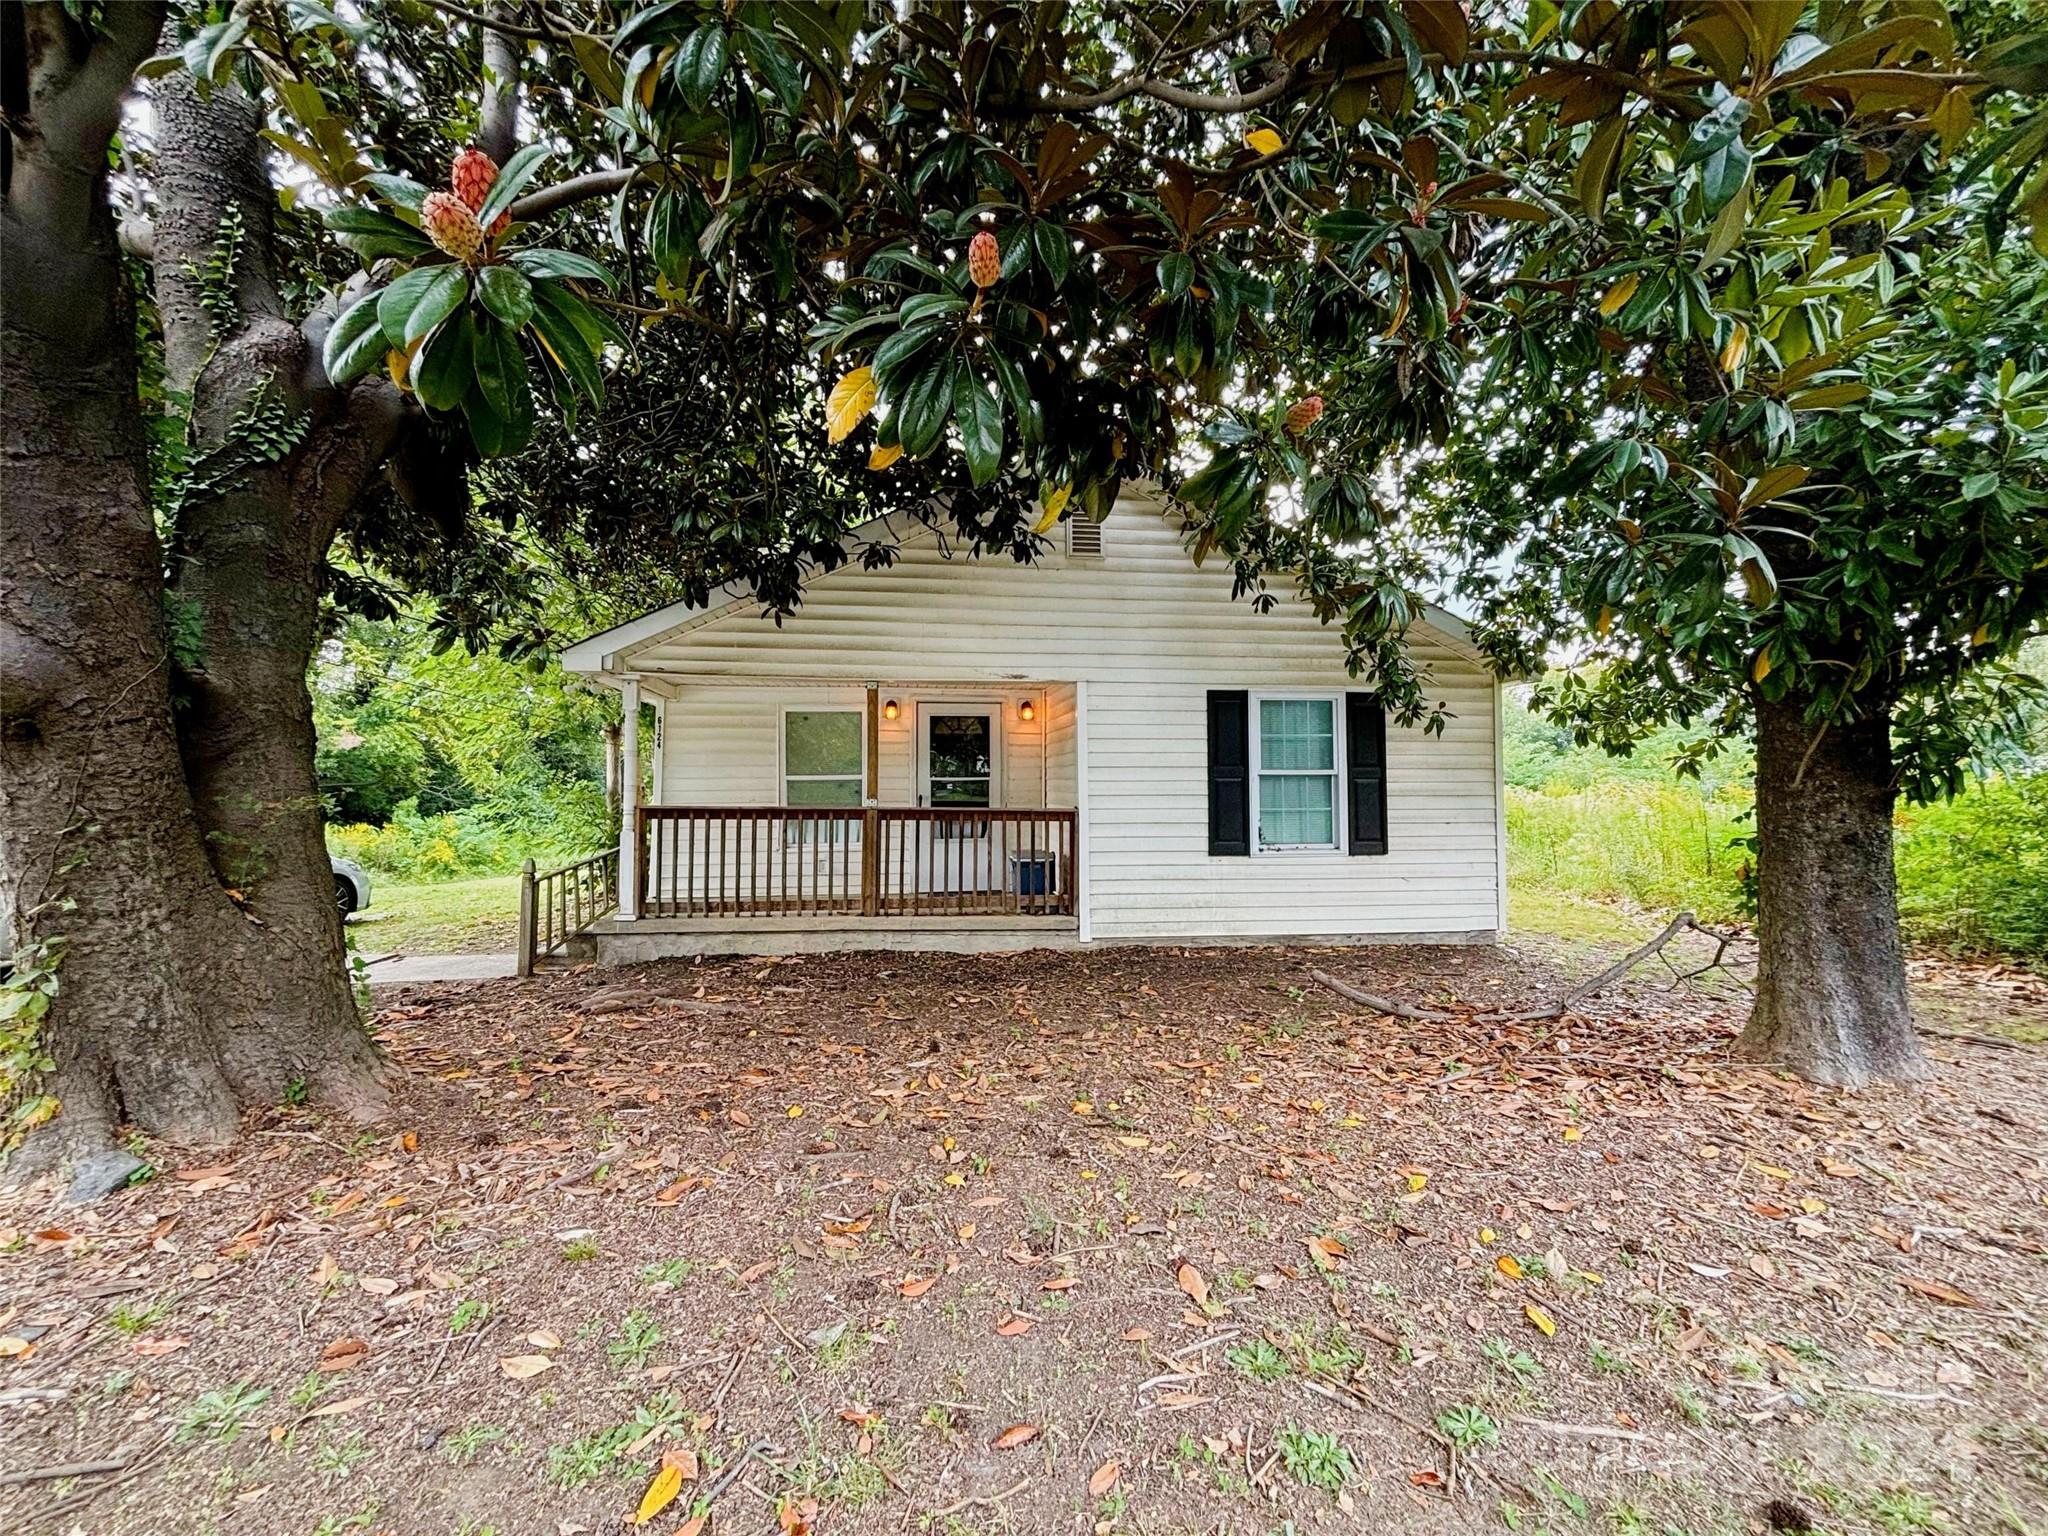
point(602, 653)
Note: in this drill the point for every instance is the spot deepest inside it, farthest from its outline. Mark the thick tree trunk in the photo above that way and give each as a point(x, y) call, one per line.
point(167, 1015)
point(250, 546)
point(1831, 983)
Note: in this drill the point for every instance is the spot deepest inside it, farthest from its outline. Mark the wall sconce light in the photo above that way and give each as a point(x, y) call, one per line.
point(1027, 711)
point(890, 710)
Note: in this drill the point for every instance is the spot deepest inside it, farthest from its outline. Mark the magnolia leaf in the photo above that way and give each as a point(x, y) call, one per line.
point(1014, 1436)
point(524, 1367)
point(882, 458)
point(849, 403)
point(1054, 504)
point(1623, 290)
point(1596, 166)
point(1541, 1319)
point(1735, 349)
point(1761, 667)
point(1265, 141)
point(661, 1493)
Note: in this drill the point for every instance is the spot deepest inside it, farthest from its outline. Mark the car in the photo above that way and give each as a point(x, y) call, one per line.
point(351, 886)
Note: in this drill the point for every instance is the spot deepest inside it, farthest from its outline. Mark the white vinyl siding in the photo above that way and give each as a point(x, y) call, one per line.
point(1150, 633)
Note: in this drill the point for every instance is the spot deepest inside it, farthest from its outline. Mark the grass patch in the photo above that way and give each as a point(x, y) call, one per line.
point(454, 917)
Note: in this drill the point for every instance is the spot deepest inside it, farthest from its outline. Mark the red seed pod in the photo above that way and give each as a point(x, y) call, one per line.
point(472, 176)
point(451, 225)
point(984, 259)
point(1303, 414)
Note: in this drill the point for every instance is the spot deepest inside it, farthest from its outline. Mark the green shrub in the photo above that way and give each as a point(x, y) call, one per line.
point(1660, 846)
point(549, 823)
point(1973, 871)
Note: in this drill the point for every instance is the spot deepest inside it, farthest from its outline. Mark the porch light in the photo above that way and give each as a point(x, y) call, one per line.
point(890, 710)
point(1027, 711)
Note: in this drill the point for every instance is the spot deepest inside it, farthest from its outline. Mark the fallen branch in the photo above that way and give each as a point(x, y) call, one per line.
point(1571, 999)
point(64, 1469)
point(976, 1500)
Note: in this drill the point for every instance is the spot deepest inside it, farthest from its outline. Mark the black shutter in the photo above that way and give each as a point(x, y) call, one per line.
point(1230, 770)
point(1365, 771)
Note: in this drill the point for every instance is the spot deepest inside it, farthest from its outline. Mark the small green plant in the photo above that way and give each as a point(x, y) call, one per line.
point(308, 1391)
point(1905, 1511)
point(467, 1312)
point(336, 1459)
point(134, 1320)
point(841, 1347)
point(668, 1271)
point(1315, 1459)
point(589, 1457)
point(296, 1093)
point(468, 1442)
point(1503, 1356)
point(222, 1415)
point(1606, 1361)
point(1257, 1359)
point(1688, 1402)
point(639, 1336)
point(1467, 1426)
point(579, 1248)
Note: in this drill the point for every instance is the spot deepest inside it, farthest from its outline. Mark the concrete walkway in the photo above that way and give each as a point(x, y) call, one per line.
point(397, 970)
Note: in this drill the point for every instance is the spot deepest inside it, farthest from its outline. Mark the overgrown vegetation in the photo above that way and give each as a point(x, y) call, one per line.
point(441, 765)
point(1973, 869)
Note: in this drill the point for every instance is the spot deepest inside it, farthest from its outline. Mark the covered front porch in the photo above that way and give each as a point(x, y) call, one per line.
point(805, 813)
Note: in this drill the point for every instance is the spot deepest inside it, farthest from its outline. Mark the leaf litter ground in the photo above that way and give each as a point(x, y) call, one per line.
point(1137, 1240)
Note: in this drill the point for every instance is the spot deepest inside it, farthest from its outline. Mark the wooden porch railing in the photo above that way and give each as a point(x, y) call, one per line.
point(876, 861)
point(557, 904)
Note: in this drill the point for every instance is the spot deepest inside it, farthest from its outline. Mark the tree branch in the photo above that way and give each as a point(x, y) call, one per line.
point(577, 189)
point(498, 121)
point(1173, 95)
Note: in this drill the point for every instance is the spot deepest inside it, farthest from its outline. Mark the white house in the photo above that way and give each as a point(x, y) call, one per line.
point(1102, 747)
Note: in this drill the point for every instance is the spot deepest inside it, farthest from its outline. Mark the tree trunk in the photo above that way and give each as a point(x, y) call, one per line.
point(1831, 983)
point(166, 1014)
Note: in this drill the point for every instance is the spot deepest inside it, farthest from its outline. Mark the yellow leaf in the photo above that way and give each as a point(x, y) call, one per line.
point(1265, 141)
point(796, 1111)
point(882, 458)
point(1540, 1318)
point(1486, 1234)
point(1509, 1265)
point(1054, 504)
point(398, 363)
point(1762, 667)
point(849, 403)
point(1620, 294)
point(661, 1493)
point(1737, 348)
point(1416, 1181)
point(1572, 1133)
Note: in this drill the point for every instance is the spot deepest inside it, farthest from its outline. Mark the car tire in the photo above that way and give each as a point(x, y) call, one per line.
point(344, 894)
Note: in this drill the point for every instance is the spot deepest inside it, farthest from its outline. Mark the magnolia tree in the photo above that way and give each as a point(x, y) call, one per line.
point(1031, 252)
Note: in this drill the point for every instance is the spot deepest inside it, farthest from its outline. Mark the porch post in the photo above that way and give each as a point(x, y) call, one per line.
point(1084, 837)
point(629, 800)
point(871, 818)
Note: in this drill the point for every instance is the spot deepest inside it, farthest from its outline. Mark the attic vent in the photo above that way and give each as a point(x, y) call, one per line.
point(1084, 538)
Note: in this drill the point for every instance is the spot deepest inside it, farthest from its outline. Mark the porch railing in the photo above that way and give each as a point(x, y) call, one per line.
point(875, 861)
point(557, 904)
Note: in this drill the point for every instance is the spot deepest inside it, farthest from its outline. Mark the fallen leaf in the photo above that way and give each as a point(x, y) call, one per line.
point(1060, 1283)
point(1541, 1319)
point(376, 1285)
point(661, 1492)
point(1014, 1436)
point(1103, 1479)
point(1013, 1325)
point(1509, 1265)
point(522, 1367)
point(1938, 1291)
point(159, 1346)
point(914, 1287)
point(343, 1355)
point(329, 1410)
point(544, 1338)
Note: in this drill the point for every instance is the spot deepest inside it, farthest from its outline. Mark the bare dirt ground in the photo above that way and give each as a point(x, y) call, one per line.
point(1138, 1241)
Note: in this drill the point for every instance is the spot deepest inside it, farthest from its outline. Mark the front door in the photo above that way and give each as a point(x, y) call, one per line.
point(956, 771)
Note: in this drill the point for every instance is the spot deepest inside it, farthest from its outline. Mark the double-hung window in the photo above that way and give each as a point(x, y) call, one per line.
point(1295, 767)
point(824, 760)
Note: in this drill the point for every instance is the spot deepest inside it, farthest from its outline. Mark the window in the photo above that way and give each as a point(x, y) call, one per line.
point(1295, 761)
point(823, 757)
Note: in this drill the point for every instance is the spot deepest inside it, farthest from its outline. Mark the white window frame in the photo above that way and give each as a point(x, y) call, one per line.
point(1335, 773)
point(783, 775)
